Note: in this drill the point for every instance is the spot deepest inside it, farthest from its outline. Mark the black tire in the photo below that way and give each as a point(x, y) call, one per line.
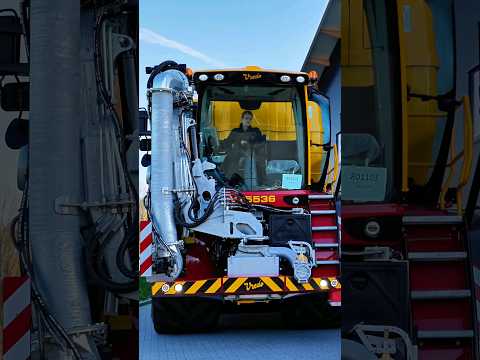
point(310, 311)
point(185, 315)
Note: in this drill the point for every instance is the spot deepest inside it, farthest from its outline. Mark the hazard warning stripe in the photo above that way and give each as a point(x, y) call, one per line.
point(216, 285)
point(156, 287)
point(194, 287)
point(271, 284)
point(17, 315)
point(314, 284)
point(146, 248)
point(146, 242)
point(236, 284)
point(308, 287)
point(290, 285)
point(243, 285)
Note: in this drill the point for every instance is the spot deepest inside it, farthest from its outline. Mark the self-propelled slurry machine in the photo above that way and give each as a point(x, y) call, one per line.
point(237, 164)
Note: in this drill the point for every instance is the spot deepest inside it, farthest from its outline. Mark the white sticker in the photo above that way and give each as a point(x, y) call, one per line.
point(362, 183)
point(291, 181)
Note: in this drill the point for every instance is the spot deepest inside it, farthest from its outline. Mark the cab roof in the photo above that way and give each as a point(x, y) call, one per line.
point(252, 68)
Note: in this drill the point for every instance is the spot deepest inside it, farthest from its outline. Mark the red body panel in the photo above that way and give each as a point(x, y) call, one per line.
point(438, 314)
point(199, 265)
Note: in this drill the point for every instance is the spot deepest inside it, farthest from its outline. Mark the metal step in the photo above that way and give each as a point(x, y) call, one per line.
point(437, 256)
point(322, 212)
point(323, 245)
point(328, 262)
point(440, 294)
point(324, 228)
point(444, 334)
point(432, 220)
point(320, 197)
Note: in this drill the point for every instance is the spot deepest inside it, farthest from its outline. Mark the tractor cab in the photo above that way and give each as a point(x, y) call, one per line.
point(257, 126)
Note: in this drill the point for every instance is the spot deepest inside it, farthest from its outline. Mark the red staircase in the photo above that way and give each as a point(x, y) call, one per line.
point(325, 236)
point(442, 302)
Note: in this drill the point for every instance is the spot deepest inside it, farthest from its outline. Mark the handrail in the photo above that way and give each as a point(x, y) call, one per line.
point(335, 162)
point(468, 150)
point(466, 154)
point(446, 185)
point(404, 97)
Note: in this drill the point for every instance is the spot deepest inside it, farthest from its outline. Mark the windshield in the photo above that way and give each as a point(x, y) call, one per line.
point(254, 135)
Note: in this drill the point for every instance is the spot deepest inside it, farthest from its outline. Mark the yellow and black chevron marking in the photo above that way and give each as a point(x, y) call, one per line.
point(242, 285)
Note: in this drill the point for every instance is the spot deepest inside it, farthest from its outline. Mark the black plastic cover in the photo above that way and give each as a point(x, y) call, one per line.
point(375, 293)
point(286, 227)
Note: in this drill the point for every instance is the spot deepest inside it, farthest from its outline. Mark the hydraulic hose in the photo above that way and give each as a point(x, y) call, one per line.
point(130, 239)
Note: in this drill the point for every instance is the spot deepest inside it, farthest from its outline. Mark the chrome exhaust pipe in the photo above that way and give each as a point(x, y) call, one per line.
point(164, 124)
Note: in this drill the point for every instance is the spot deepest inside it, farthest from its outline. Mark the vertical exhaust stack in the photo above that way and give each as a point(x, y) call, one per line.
point(164, 124)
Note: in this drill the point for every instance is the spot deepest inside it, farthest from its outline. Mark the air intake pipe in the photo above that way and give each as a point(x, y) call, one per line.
point(164, 122)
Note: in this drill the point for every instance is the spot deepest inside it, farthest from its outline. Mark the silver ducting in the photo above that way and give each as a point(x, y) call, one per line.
point(164, 120)
point(55, 175)
point(302, 269)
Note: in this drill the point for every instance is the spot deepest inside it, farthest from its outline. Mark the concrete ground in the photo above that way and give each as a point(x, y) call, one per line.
point(239, 337)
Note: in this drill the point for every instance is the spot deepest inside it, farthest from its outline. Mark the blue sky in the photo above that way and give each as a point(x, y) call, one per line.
point(208, 34)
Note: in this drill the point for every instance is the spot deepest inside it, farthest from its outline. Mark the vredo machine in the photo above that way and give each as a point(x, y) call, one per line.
point(237, 211)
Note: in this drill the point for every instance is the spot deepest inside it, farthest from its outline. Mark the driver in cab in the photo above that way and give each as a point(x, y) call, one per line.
point(240, 142)
point(245, 135)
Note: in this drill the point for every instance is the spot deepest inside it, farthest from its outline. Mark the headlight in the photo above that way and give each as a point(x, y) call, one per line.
point(203, 77)
point(178, 288)
point(300, 79)
point(285, 78)
point(219, 77)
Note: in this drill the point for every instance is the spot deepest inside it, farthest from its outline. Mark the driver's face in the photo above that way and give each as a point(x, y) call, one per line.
point(246, 120)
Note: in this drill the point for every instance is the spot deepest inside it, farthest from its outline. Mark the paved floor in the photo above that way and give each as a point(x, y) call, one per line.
point(240, 337)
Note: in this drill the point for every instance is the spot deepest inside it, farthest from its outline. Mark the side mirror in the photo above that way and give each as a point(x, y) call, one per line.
point(10, 35)
point(146, 160)
point(10, 42)
point(15, 96)
point(145, 144)
point(143, 123)
point(16, 135)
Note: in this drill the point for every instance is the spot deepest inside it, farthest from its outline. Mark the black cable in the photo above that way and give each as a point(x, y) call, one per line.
point(130, 240)
point(107, 101)
point(100, 280)
point(25, 257)
point(13, 230)
point(197, 221)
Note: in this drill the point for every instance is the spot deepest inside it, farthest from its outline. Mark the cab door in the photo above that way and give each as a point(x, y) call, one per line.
point(324, 168)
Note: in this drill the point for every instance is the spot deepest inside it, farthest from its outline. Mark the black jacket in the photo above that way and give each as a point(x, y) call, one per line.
point(252, 135)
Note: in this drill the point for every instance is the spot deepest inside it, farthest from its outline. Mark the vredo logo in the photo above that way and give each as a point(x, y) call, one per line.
point(249, 286)
point(247, 76)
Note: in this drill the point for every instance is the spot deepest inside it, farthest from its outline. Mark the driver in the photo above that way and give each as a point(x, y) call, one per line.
point(245, 134)
point(238, 144)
